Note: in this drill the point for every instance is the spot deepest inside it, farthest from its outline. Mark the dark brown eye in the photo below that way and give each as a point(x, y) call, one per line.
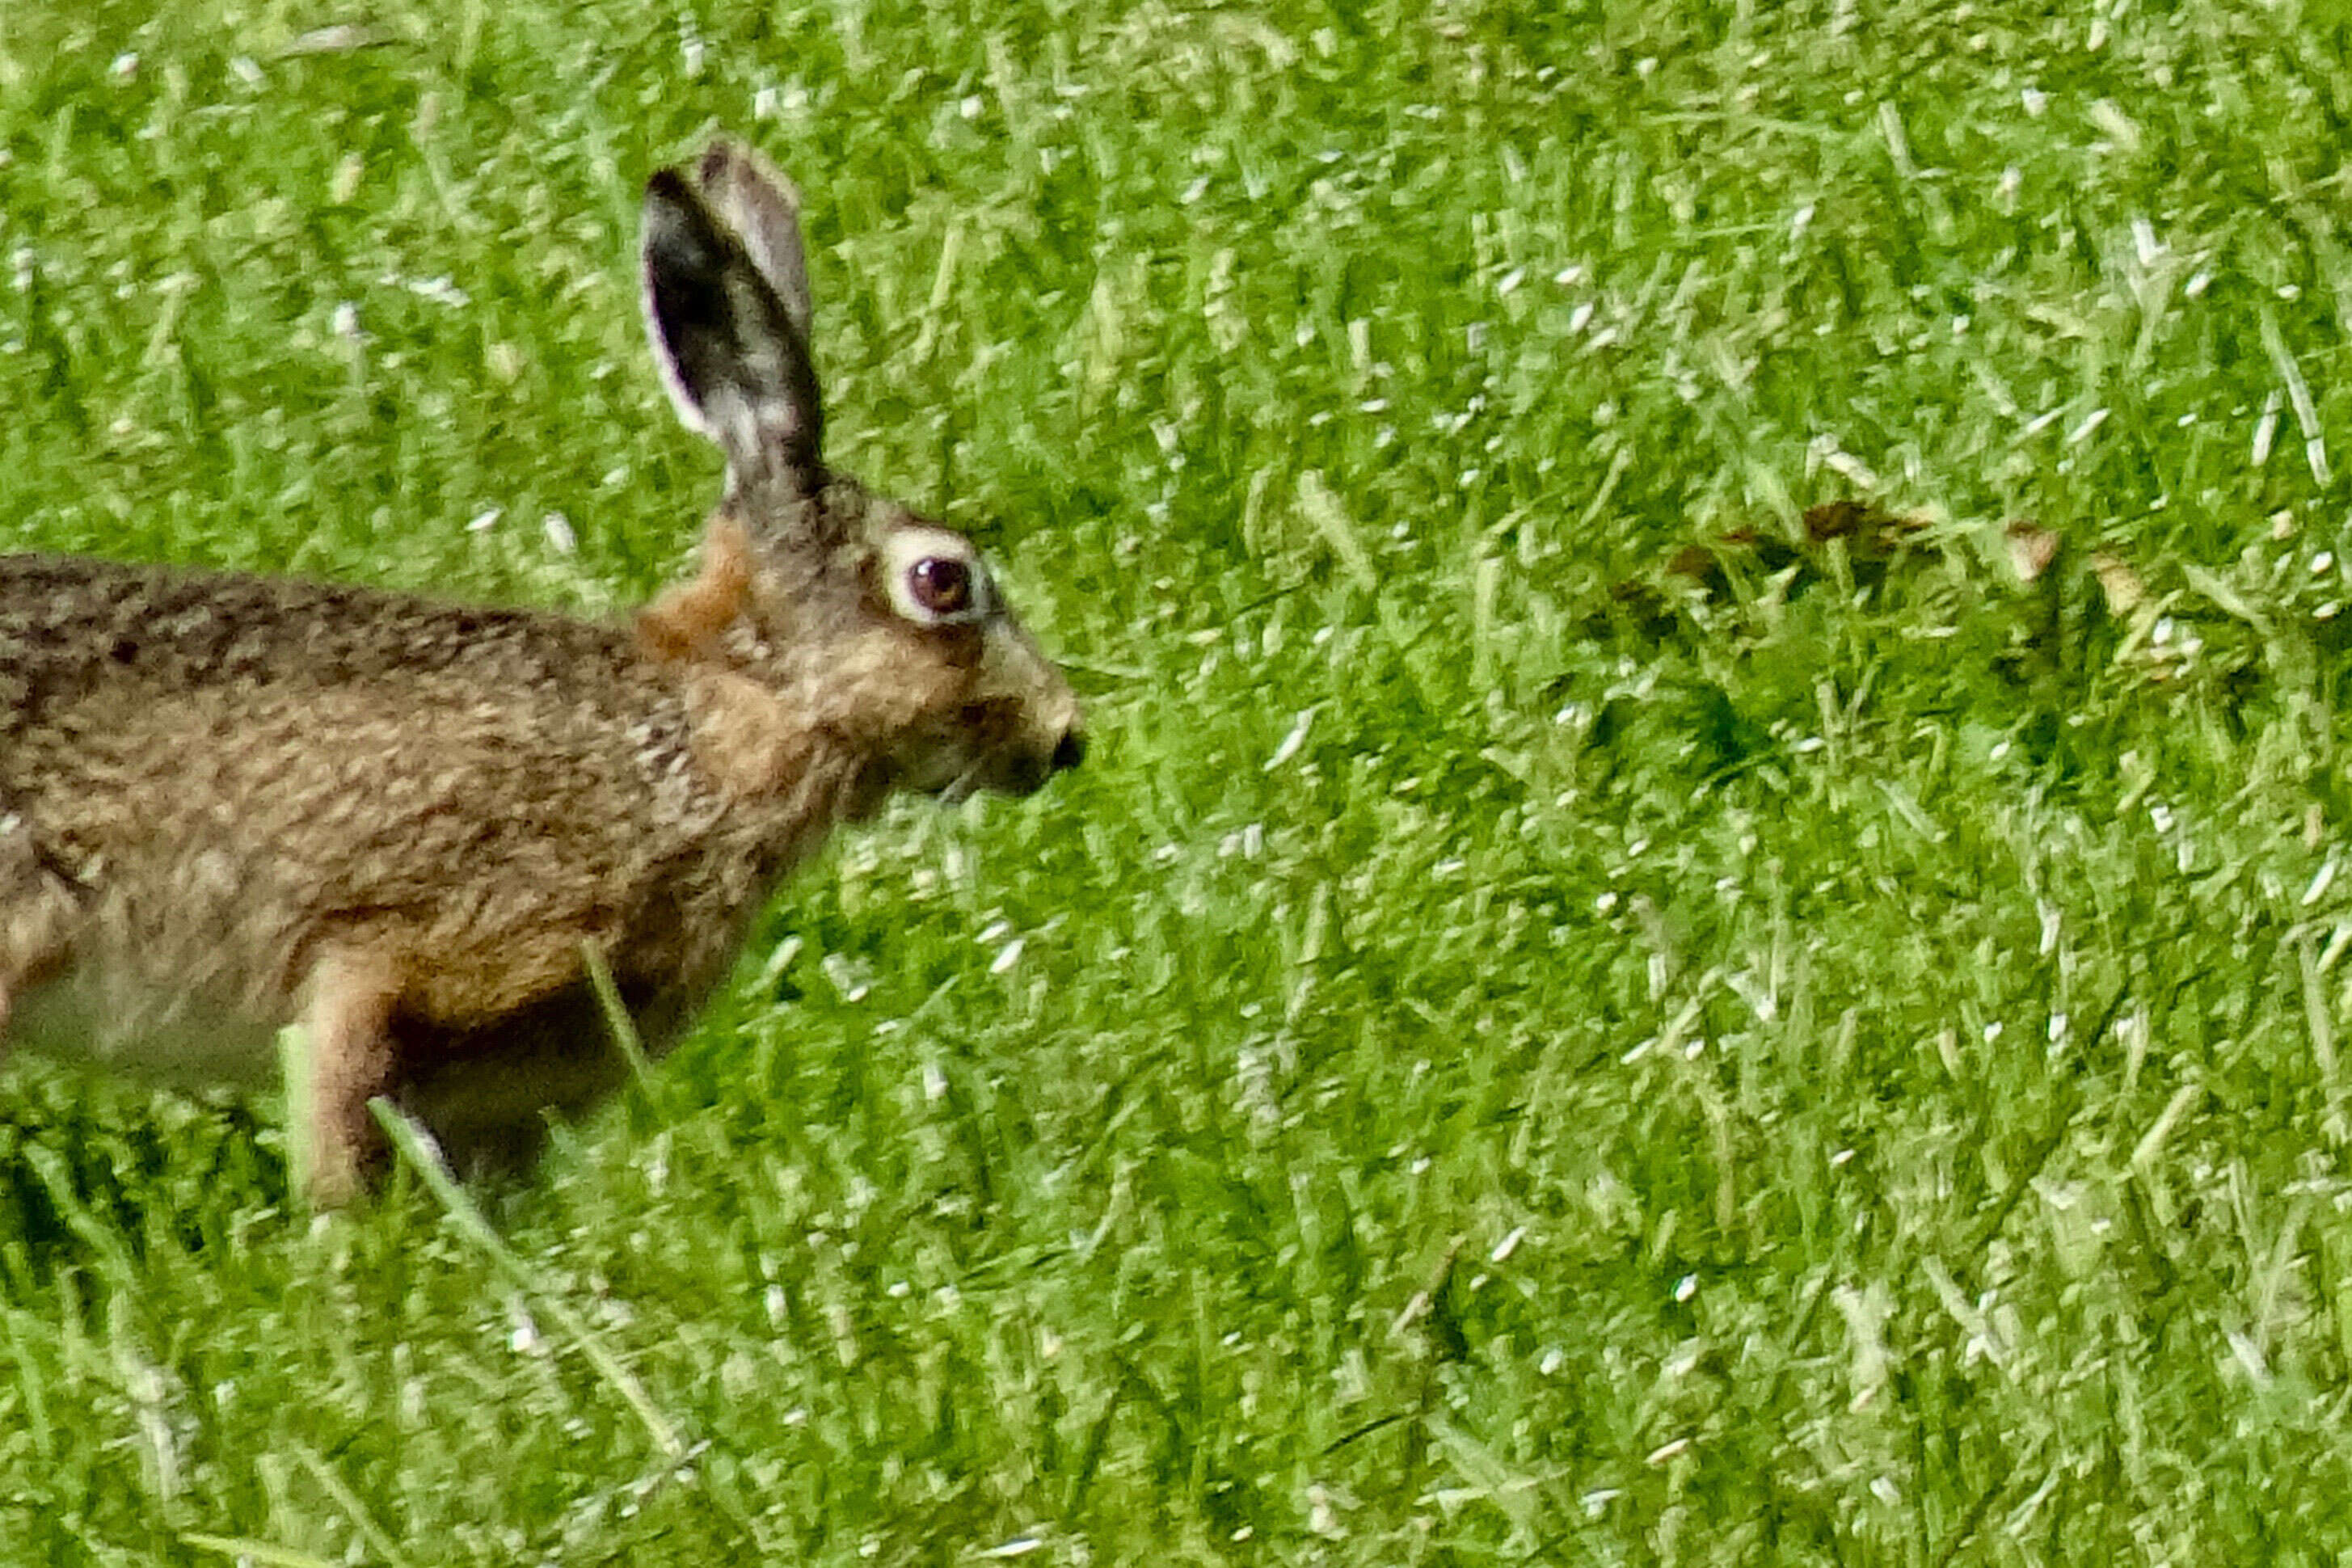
point(940, 585)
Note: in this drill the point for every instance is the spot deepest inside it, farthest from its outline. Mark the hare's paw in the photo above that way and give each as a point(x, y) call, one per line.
point(339, 1057)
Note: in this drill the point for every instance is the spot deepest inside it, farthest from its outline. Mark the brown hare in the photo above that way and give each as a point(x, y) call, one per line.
point(231, 802)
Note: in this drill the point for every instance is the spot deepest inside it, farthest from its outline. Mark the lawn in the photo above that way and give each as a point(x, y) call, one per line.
point(1704, 924)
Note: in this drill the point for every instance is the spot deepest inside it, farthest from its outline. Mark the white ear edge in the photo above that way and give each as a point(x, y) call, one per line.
point(690, 413)
point(664, 205)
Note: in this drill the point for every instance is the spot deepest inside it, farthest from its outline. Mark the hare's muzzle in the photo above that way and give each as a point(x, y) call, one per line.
point(1026, 767)
point(1037, 730)
point(1028, 774)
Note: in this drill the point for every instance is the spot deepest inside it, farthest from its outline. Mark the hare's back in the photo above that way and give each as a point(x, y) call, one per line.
point(70, 623)
point(329, 736)
point(203, 777)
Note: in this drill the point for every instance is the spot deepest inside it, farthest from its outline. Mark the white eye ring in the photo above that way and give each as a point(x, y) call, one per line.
point(936, 579)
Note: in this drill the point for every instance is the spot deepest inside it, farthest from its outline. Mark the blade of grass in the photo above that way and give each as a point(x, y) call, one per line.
point(418, 1148)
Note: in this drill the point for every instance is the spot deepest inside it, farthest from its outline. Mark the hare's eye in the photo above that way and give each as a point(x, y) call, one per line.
point(940, 585)
point(932, 577)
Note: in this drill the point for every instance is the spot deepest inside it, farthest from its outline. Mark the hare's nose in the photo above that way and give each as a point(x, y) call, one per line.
point(1069, 751)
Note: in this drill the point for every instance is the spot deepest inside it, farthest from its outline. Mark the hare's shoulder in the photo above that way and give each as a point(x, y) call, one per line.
point(68, 622)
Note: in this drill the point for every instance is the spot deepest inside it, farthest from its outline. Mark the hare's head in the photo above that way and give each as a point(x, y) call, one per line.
point(882, 627)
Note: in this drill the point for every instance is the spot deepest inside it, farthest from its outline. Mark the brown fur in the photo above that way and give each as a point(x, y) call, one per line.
point(229, 803)
point(688, 617)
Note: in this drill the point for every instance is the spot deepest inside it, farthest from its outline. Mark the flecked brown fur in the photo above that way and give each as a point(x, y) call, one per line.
point(229, 803)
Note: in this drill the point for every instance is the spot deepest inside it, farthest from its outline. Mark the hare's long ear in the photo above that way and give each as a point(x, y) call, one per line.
point(731, 347)
point(752, 196)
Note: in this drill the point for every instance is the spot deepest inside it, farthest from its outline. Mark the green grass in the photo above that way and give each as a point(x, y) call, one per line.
point(1847, 1069)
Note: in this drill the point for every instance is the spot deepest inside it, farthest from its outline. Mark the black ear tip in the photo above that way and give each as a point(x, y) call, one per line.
point(715, 159)
point(668, 185)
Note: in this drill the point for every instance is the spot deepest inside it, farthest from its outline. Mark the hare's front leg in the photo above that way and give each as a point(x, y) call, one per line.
point(39, 916)
point(345, 1061)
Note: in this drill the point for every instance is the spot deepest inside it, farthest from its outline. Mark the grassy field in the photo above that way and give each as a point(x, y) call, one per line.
point(1567, 1018)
